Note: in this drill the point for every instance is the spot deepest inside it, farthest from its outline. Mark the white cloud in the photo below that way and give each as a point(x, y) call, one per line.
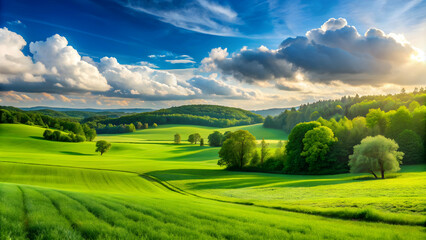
point(66, 66)
point(333, 52)
point(14, 65)
point(201, 16)
point(180, 61)
point(145, 81)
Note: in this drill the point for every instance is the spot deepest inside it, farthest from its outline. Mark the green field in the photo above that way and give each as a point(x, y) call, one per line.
point(146, 187)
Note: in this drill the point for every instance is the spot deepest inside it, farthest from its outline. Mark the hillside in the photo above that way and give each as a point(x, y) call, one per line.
point(145, 189)
point(204, 115)
point(270, 112)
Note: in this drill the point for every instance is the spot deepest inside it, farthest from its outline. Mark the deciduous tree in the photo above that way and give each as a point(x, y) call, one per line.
point(376, 154)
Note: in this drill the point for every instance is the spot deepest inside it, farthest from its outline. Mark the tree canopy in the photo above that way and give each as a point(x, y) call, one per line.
point(237, 150)
point(102, 146)
point(316, 145)
point(376, 154)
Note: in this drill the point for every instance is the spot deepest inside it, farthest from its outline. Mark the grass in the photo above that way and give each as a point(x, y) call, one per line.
point(56, 190)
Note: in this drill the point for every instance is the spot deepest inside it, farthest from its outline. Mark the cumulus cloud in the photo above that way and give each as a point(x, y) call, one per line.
point(57, 68)
point(334, 52)
point(67, 69)
point(54, 67)
point(213, 87)
point(14, 65)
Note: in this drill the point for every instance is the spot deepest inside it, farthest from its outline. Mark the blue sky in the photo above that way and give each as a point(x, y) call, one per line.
point(177, 39)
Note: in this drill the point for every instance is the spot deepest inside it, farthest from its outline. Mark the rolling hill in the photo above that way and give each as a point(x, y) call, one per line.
point(204, 115)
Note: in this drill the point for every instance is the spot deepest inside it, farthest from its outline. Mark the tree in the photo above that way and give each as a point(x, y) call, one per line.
point(294, 162)
point(399, 121)
point(47, 134)
point(237, 150)
point(375, 154)
point(215, 139)
point(194, 138)
point(139, 125)
point(269, 122)
point(255, 159)
point(154, 125)
point(130, 128)
point(102, 146)
point(177, 138)
point(376, 118)
point(316, 145)
point(202, 142)
point(145, 126)
point(264, 151)
point(411, 145)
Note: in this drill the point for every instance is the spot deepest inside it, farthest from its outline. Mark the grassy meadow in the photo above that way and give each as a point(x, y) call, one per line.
point(146, 187)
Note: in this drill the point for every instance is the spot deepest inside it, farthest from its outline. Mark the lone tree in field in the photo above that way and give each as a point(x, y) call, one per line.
point(194, 138)
point(237, 150)
point(177, 138)
point(376, 154)
point(102, 146)
point(202, 142)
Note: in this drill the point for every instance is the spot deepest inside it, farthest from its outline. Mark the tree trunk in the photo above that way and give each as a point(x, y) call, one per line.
point(102, 153)
point(374, 174)
point(383, 173)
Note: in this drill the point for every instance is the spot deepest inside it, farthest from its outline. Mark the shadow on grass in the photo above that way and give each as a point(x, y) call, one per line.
point(37, 137)
point(78, 153)
point(364, 178)
point(222, 179)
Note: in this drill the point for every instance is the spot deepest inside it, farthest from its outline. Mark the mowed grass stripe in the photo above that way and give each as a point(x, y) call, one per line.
point(83, 220)
point(44, 220)
point(12, 213)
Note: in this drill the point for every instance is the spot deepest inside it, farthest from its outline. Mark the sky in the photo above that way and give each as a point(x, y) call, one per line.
point(249, 54)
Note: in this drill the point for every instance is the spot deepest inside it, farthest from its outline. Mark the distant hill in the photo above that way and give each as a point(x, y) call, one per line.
point(205, 115)
point(84, 113)
point(126, 110)
point(270, 112)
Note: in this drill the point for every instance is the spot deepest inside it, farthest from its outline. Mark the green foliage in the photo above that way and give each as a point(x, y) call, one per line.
point(255, 158)
point(376, 154)
point(215, 139)
point(63, 137)
point(154, 125)
point(102, 146)
point(350, 107)
point(204, 115)
point(237, 150)
point(294, 161)
point(376, 119)
point(411, 145)
point(194, 138)
point(202, 142)
point(399, 121)
point(264, 151)
point(177, 138)
point(316, 145)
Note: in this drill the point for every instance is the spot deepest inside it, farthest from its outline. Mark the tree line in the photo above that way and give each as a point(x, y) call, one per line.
point(68, 130)
point(347, 106)
point(204, 115)
point(326, 146)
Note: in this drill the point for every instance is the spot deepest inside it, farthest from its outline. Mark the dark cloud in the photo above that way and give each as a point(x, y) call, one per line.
point(336, 51)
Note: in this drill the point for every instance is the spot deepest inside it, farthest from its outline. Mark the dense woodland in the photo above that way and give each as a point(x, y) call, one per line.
point(204, 115)
point(324, 142)
point(68, 130)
